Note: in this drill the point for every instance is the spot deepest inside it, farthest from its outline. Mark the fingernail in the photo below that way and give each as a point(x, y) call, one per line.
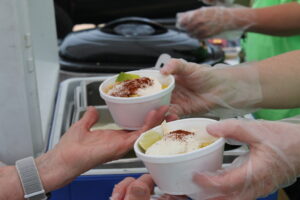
point(115, 196)
point(138, 191)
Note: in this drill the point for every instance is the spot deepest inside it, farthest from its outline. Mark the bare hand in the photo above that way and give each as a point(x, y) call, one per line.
point(139, 189)
point(81, 149)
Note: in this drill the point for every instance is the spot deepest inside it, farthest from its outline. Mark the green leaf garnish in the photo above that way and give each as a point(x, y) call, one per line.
point(126, 76)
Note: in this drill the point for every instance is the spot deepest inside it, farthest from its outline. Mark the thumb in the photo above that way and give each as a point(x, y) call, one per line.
point(243, 131)
point(89, 118)
point(225, 181)
point(174, 66)
point(140, 189)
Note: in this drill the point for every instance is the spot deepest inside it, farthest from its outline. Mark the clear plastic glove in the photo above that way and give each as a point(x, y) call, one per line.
point(218, 2)
point(272, 162)
point(293, 120)
point(210, 21)
point(202, 89)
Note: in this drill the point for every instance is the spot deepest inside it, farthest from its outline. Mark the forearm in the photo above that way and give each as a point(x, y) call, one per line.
point(280, 81)
point(54, 173)
point(51, 170)
point(281, 20)
point(271, 83)
point(10, 185)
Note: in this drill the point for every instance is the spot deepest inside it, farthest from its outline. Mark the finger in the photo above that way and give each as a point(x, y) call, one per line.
point(172, 197)
point(201, 34)
point(140, 189)
point(181, 68)
point(194, 25)
point(181, 19)
point(175, 109)
point(89, 118)
point(184, 104)
point(219, 183)
point(119, 190)
point(174, 66)
point(184, 18)
point(147, 179)
point(247, 195)
point(210, 2)
point(222, 198)
point(235, 129)
point(171, 117)
point(154, 118)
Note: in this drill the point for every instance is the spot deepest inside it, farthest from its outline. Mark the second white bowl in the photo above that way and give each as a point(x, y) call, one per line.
point(173, 174)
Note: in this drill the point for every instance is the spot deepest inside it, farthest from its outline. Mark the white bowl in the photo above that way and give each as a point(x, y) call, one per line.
point(130, 112)
point(173, 174)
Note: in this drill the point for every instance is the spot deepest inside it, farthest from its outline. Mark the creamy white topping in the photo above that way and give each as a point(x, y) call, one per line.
point(182, 142)
point(154, 88)
point(138, 87)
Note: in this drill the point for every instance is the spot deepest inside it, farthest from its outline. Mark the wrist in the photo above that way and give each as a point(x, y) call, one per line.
point(11, 187)
point(242, 18)
point(238, 86)
point(54, 173)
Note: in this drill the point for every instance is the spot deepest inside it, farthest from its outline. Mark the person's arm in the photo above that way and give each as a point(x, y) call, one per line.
point(79, 150)
point(271, 83)
point(281, 20)
point(272, 162)
point(280, 81)
point(8, 178)
point(52, 172)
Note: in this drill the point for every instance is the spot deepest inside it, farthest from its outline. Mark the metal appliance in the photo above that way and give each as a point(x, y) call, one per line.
point(131, 43)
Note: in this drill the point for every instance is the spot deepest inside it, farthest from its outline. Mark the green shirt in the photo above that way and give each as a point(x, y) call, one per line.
point(259, 46)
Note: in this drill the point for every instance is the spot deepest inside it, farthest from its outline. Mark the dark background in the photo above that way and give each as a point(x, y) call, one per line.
point(71, 12)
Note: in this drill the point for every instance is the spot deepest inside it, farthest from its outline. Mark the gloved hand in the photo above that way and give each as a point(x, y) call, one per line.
point(272, 162)
point(202, 89)
point(210, 21)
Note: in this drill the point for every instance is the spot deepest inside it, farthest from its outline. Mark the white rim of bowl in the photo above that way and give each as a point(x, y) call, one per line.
point(178, 157)
point(105, 96)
